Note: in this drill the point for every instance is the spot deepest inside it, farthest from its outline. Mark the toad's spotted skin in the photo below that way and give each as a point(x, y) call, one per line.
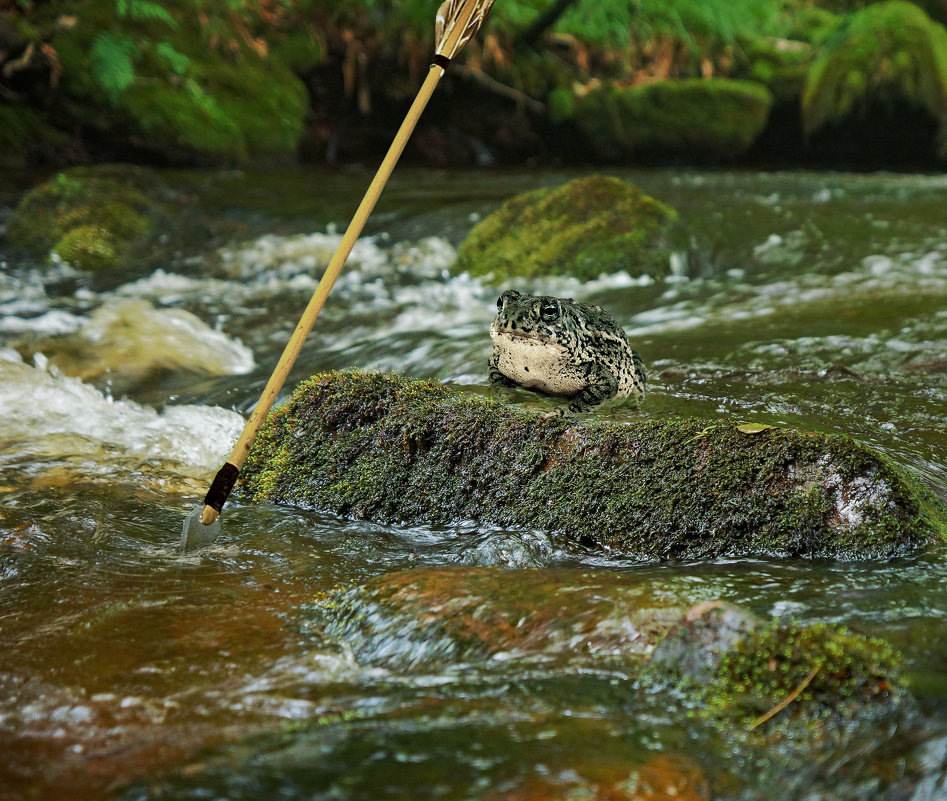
point(562, 347)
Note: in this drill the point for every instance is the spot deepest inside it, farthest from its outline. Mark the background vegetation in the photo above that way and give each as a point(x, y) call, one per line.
point(236, 81)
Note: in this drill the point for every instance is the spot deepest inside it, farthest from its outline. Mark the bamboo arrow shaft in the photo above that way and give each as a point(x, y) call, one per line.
point(308, 319)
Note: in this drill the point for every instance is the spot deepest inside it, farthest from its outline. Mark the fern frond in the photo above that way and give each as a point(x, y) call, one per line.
point(111, 61)
point(176, 60)
point(204, 101)
point(145, 11)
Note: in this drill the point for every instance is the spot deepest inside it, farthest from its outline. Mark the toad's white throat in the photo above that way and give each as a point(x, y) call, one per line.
point(536, 364)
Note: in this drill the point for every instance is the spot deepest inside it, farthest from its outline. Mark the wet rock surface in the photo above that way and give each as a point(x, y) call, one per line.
point(392, 449)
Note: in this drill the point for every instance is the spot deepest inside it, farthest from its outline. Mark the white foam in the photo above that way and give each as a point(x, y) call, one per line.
point(52, 323)
point(37, 403)
point(134, 333)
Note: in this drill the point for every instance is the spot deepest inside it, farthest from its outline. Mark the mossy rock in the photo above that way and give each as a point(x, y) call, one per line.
point(393, 449)
point(770, 677)
point(888, 52)
point(780, 65)
point(712, 120)
point(584, 228)
point(89, 216)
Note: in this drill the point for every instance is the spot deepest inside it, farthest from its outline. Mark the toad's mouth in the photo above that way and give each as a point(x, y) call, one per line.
point(523, 338)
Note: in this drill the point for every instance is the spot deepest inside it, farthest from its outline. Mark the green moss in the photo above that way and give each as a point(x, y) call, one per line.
point(835, 671)
point(396, 450)
point(88, 247)
point(715, 120)
point(779, 65)
point(584, 228)
point(92, 215)
point(193, 91)
point(812, 24)
point(891, 51)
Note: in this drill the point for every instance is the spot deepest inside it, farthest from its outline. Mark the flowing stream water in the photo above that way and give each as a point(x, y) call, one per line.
point(129, 670)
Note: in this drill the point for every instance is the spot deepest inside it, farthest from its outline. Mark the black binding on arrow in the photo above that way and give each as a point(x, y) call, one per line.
point(223, 483)
point(441, 61)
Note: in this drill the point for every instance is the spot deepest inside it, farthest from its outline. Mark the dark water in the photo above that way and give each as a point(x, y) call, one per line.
point(817, 301)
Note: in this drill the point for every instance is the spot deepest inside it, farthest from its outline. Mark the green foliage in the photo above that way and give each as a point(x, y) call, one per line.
point(614, 21)
point(113, 54)
point(111, 60)
point(607, 22)
point(889, 51)
point(144, 11)
point(780, 68)
point(176, 61)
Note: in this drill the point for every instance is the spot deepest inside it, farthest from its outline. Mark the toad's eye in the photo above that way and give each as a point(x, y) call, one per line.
point(500, 303)
point(548, 311)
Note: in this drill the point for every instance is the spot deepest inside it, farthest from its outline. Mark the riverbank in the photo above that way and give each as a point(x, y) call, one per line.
point(755, 84)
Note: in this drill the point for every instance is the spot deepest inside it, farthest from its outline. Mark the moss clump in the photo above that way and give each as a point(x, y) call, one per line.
point(393, 449)
point(707, 120)
point(88, 247)
point(88, 216)
point(891, 51)
point(836, 673)
point(584, 228)
point(778, 64)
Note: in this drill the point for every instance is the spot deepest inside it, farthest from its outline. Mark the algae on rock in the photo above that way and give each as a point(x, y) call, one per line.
point(891, 51)
point(707, 120)
point(89, 216)
point(583, 228)
point(393, 449)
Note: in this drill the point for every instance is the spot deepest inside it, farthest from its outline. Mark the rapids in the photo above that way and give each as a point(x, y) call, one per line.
point(817, 301)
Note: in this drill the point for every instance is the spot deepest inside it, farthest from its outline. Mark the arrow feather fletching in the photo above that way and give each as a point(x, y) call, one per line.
point(456, 22)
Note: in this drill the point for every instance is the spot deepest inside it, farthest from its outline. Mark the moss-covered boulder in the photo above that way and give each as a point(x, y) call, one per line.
point(394, 449)
point(888, 52)
point(704, 120)
point(583, 228)
point(88, 216)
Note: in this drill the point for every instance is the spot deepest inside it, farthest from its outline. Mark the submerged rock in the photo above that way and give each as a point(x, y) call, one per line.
point(443, 615)
point(704, 120)
point(583, 228)
point(393, 449)
point(890, 51)
point(732, 666)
